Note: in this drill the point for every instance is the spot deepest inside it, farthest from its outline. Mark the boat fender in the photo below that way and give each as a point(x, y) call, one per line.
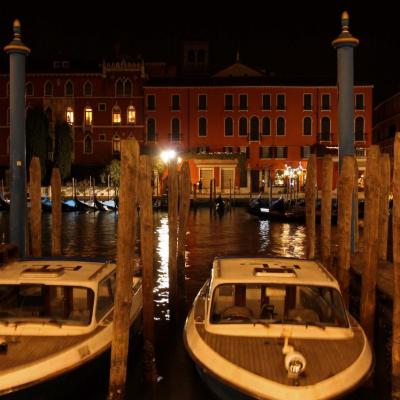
point(3, 345)
point(295, 364)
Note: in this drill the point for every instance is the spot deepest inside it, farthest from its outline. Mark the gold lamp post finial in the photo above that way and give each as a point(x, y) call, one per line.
point(345, 21)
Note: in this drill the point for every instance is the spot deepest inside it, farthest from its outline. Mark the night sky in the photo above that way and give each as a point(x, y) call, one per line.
point(285, 38)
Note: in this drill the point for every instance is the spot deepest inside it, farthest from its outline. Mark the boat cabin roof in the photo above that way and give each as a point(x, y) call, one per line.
point(74, 272)
point(279, 270)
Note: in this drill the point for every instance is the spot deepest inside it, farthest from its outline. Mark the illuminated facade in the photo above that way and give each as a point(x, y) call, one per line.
point(209, 115)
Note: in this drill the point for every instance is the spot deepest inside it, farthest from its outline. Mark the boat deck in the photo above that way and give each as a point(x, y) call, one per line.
point(31, 349)
point(261, 356)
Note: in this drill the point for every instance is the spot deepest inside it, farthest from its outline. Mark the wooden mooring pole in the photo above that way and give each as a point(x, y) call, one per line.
point(396, 269)
point(326, 210)
point(127, 211)
point(146, 251)
point(56, 212)
point(355, 206)
point(184, 205)
point(36, 206)
point(345, 206)
point(173, 232)
point(370, 261)
point(311, 195)
point(384, 206)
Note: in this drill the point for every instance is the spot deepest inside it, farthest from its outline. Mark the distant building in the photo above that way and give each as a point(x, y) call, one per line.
point(387, 123)
point(274, 124)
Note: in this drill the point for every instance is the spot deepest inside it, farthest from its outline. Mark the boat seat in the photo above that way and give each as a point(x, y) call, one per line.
point(237, 312)
point(303, 314)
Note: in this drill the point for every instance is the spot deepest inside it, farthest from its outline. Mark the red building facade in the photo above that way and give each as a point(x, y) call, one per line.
point(207, 118)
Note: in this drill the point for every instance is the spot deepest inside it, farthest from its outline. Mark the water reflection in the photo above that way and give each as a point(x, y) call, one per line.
point(235, 233)
point(161, 283)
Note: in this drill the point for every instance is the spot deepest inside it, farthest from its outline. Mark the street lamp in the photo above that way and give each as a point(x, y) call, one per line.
point(167, 155)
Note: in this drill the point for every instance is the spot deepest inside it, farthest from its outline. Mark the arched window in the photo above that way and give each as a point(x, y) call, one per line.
point(307, 126)
point(116, 115)
point(243, 126)
point(266, 126)
point(151, 130)
point(128, 88)
point(116, 144)
point(280, 126)
point(29, 89)
point(254, 128)
point(87, 89)
point(48, 89)
point(69, 115)
point(87, 145)
point(131, 115)
point(326, 129)
point(68, 89)
point(228, 126)
point(359, 129)
point(202, 126)
point(88, 116)
point(119, 88)
point(175, 129)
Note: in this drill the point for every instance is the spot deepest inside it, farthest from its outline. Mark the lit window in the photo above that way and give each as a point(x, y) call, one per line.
point(131, 115)
point(88, 116)
point(116, 144)
point(116, 115)
point(69, 116)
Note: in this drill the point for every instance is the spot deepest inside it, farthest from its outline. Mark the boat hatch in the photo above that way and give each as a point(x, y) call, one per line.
point(42, 271)
point(283, 271)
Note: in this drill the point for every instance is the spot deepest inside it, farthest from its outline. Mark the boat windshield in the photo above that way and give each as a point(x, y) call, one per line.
point(278, 304)
point(38, 303)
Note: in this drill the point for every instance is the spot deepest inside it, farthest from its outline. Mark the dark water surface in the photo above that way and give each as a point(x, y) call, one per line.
point(236, 233)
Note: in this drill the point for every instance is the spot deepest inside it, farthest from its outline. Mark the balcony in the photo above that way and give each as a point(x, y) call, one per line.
point(325, 137)
point(360, 137)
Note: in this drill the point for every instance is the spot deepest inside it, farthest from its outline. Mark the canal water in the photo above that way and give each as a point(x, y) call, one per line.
point(235, 233)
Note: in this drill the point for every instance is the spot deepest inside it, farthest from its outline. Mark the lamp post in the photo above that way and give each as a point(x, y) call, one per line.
point(17, 52)
point(345, 44)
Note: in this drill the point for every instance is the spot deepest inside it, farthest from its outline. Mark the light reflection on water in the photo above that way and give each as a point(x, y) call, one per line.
point(236, 233)
point(161, 282)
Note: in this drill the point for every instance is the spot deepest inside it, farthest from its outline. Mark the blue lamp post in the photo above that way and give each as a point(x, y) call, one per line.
point(17, 51)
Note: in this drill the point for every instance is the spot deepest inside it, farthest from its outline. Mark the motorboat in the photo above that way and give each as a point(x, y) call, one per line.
point(56, 314)
point(275, 328)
